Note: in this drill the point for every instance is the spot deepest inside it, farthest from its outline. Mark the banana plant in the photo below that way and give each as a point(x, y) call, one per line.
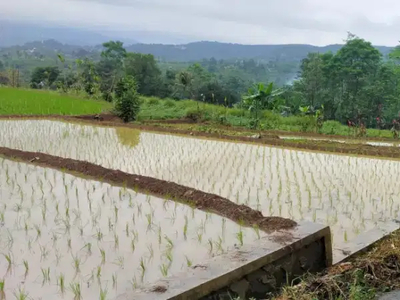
point(261, 97)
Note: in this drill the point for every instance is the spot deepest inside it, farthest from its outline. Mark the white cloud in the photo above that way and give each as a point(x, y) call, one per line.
point(243, 21)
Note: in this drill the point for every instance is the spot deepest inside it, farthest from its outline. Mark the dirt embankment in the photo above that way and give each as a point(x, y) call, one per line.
point(207, 202)
point(269, 140)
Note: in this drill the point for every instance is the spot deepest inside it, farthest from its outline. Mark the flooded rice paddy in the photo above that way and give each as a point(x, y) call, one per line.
point(66, 237)
point(351, 194)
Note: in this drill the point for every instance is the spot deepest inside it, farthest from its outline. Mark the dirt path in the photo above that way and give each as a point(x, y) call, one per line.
point(207, 202)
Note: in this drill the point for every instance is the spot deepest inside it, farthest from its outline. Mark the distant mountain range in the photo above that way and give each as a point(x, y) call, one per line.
point(50, 39)
point(199, 50)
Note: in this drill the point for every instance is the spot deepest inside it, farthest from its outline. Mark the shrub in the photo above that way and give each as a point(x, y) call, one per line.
point(127, 102)
point(169, 103)
point(153, 101)
point(332, 127)
point(194, 114)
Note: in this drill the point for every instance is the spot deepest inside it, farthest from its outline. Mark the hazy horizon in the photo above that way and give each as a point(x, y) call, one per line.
point(252, 22)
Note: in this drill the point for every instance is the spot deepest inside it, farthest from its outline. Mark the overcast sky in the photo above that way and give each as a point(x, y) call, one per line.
point(317, 22)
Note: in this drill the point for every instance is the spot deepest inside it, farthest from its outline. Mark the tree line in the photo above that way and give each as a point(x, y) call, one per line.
point(356, 85)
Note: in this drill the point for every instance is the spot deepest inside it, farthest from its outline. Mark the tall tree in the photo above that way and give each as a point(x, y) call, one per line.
point(355, 63)
point(110, 67)
point(143, 67)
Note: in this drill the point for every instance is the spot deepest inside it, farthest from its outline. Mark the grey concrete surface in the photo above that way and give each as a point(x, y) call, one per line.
point(231, 269)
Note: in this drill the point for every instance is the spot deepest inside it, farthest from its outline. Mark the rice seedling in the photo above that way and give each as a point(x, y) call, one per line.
point(46, 275)
point(142, 266)
point(88, 247)
point(9, 260)
point(164, 269)
point(239, 237)
point(114, 280)
point(116, 241)
point(120, 261)
point(26, 266)
point(21, 294)
point(170, 243)
point(69, 244)
point(133, 246)
point(103, 293)
point(149, 220)
point(76, 264)
point(98, 273)
point(58, 256)
point(99, 235)
point(2, 286)
point(127, 229)
point(185, 228)
point(76, 290)
point(189, 262)
point(103, 256)
point(210, 245)
point(257, 231)
point(38, 232)
point(133, 283)
point(116, 213)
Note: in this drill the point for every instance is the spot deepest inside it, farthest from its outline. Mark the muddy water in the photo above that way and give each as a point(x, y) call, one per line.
point(59, 224)
point(351, 194)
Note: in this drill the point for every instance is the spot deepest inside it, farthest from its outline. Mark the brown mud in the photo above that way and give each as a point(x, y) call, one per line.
point(109, 120)
point(241, 214)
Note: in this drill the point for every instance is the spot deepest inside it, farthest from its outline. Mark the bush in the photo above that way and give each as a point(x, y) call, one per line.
point(194, 114)
point(169, 103)
point(127, 102)
point(332, 127)
point(153, 101)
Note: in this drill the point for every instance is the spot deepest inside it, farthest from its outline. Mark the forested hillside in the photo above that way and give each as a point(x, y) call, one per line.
point(352, 83)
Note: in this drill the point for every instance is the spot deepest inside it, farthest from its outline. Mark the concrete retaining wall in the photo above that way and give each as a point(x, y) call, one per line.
point(253, 271)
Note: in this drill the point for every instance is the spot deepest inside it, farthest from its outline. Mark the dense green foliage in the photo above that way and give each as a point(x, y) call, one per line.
point(355, 84)
point(44, 76)
point(31, 102)
point(126, 99)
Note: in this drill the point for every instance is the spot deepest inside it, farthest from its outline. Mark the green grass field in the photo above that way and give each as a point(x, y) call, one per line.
point(165, 109)
point(35, 102)
point(32, 102)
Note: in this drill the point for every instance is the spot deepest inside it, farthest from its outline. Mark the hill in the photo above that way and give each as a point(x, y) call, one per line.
point(192, 51)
